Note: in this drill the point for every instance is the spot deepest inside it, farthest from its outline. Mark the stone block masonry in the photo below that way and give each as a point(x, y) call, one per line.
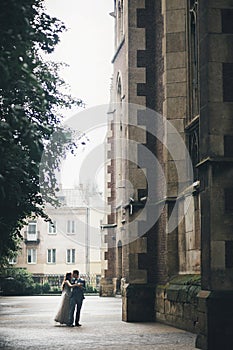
point(176, 302)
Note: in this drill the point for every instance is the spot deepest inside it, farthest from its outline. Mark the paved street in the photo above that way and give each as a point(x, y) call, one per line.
point(27, 323)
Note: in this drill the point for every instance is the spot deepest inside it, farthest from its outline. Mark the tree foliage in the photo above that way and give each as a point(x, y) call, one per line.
point(30, 96)
point(16, 281)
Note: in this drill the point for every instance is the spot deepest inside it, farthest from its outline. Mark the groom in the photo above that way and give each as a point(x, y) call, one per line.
point(76, 299)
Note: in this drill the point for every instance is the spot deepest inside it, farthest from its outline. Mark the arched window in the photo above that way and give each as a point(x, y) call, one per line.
point(119, 89)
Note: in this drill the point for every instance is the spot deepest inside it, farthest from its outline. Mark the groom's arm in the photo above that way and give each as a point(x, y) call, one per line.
point(83, 285)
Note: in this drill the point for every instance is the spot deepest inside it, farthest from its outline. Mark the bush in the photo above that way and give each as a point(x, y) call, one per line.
point(45, 287)
point(90, 289)
point(56, 290)
point(37, 288)
point(16, 281)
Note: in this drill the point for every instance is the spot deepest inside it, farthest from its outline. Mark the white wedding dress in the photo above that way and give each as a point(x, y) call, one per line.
point(62, 315)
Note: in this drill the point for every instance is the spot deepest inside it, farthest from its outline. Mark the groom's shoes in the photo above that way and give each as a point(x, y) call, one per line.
point(78, 325)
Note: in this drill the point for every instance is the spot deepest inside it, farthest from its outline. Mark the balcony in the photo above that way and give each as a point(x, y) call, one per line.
point(31, 237)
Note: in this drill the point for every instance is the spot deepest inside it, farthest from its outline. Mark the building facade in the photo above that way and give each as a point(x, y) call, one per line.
point(169, 185)
point(71, 241)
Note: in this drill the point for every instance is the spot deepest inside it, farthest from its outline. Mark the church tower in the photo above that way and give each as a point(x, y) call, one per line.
point(169, 185)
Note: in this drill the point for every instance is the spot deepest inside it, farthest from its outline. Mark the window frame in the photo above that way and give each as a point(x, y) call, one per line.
point(71, 226)
point(52, 228)
point(193, 68)
point(32, 235)
point(34, 256)
point(52, 253)
point(13, 261)
point(72, 256)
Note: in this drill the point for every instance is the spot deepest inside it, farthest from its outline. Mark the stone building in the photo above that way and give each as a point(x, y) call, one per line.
point(72, 242)
point(169, 175)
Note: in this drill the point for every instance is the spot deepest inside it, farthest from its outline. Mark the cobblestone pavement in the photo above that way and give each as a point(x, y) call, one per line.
point(27, 323)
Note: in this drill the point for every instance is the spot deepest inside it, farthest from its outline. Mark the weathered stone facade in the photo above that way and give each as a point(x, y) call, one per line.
point(177, 302)
point(174, 57)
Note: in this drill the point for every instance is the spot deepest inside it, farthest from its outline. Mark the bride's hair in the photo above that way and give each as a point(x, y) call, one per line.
point(66, 277)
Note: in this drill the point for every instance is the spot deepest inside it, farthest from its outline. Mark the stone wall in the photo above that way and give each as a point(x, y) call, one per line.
point(106, 287)
point(137, 301)
point(177, 304)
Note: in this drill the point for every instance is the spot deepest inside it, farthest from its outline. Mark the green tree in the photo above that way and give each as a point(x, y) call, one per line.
point(16, 281)
point(30, 97)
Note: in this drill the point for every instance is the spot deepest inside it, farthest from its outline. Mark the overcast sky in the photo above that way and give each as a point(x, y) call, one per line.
point(87, 47)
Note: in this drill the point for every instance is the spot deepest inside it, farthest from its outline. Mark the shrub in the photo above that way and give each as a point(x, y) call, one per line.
point(45, 287)
point(37, 288)
point(16, 281)
point(56, 290)
point(90, 289)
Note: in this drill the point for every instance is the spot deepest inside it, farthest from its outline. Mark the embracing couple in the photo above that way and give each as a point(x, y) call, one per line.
point(72, 297)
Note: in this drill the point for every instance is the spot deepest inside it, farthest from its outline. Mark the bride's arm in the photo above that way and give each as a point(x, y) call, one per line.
point(72, 285)
point(63, 284)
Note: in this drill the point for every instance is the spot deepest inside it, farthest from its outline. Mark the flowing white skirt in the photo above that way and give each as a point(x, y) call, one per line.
point(62, 315)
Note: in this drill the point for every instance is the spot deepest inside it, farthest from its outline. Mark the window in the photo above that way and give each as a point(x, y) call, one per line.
point(12, 261)
point(70, 226)
point(31, 256)
point(229, 254)
point(227, 21)
point(227, 76)
point(228, 195)
point(70, 256)
point(51, 256)
point(32, 227)
point(52, 227)
point(119, 13)
point(192, 129)
point(228, 145)
point(32, 231)
point(193, 141)
point(194, 59)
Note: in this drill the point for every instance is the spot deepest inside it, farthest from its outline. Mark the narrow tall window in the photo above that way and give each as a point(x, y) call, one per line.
point(52, 227)
point(194, 59)
point(227, 76)
point(120, 145)
point(227, 21)
point(31, 256)
point(51, 256)
point(120, 21)
point(194, 149)
point(32, 227)
point(229, 254)
point(70, 256)
point(70, 226)
point(32, 231)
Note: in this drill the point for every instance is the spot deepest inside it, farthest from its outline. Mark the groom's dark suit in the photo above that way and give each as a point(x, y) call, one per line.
point(76, 298)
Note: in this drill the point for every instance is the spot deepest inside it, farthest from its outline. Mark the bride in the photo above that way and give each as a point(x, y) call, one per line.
point(62, 315)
